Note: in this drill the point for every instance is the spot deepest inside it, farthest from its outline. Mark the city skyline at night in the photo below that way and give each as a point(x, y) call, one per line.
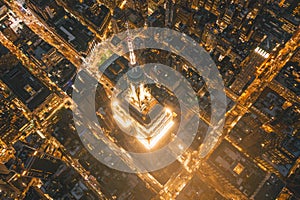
point(150, 99)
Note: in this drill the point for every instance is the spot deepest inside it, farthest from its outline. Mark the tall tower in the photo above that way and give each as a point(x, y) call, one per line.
point(147, 120)
point(130, 46)
point(135, 75)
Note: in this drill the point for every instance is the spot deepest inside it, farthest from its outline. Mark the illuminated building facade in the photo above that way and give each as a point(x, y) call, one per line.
point(147, 119)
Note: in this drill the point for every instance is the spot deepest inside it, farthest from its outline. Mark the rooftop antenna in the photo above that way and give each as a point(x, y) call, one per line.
point(130, 46)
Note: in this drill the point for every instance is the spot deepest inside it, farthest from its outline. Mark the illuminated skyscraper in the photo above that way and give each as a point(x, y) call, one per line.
point(147, 119)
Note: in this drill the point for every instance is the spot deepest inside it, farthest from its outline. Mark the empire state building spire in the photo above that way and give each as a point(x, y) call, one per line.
point(130, 47)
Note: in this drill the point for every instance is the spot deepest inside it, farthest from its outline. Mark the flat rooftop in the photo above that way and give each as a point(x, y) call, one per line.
point(30, 90)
